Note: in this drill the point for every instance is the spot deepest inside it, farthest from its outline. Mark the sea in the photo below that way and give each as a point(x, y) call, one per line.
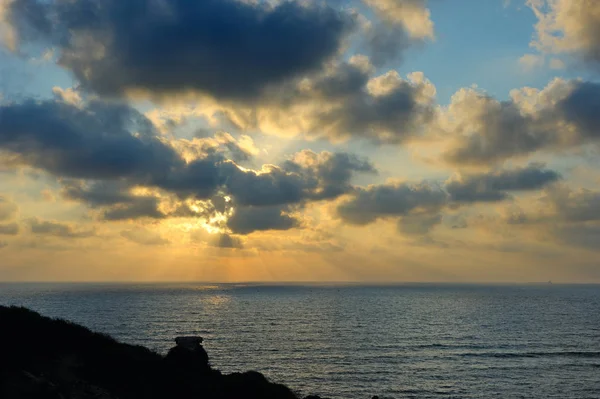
point(354, 341)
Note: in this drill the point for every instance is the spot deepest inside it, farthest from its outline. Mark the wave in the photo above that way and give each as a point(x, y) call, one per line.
point(579, 354)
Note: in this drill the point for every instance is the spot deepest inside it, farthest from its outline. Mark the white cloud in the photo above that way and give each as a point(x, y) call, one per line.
point(567, 26)
point(413, 15)
point(530, 62)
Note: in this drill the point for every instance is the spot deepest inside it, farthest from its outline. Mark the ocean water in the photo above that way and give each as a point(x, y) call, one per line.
point(404, 341)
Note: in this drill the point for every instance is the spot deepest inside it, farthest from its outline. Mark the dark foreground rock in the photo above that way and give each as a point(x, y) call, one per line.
point(47, 358)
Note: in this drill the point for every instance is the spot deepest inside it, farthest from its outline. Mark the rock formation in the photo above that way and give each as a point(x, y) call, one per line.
point(188, 357)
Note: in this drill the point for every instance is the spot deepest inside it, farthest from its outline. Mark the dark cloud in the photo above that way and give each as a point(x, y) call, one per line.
point(564, 116)
point(98, 193)
point(419, 206)
point(384, 43)
point(326, 176)
point(502, 132)
point(383, 201)
point(385, 109)
point(114, 149)
point(56, 229)
point(345, 80)
point(345, 100)
point(115, 198)
point(309, 176)
point(333, 170)
point(142, 207)
point(228, 241)
point(227, 48)
point(580, 108)
point(94, 142)
point(276, 187)
point(263, 200)
point(494, 186)
point(399, 25)
point(10, 229)
point(248, 219)
point(200, 178)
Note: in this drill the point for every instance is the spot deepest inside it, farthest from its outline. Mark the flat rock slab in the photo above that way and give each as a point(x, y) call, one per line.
point(189, 342)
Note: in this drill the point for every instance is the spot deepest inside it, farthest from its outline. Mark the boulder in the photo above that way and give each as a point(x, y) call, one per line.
point(190, 342)
point(188, 356)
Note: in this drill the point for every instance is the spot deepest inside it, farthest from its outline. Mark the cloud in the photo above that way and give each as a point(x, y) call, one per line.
point(557, 63)
point(7, 32)
point(558, 206)
point(491, 187)
point(114, 197)
point(412, 15)
point(346, 100)
point(238, 151)
point(248, 219)
point(307, 176)
point(57, 229)
point(569, 205)
point(399, 25)
point(220, 144)
point(419, 206)
point(8, 209)
point(99, 193)
point(387, 109)
point(392, 200)
point(583, 235)
point(68, 95)
point(142, 207)
point(515, 215)
point(11, 229)
point(99, 141)
point(580, 110)
point(227, 241)
point(418, 224)
point(263, 199)
point(143, 236)
point(225, 48)
point(566, 26)
point(113, 149)
point(487, 131)
point(530, 62)
point(569, 216)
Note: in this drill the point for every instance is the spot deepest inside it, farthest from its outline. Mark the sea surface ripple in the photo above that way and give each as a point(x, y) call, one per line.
point(350, 341)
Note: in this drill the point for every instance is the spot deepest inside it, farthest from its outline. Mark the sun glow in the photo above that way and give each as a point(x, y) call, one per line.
point(216, 223)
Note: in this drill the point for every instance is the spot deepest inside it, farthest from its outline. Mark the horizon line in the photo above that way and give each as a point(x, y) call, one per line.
point(301, 282)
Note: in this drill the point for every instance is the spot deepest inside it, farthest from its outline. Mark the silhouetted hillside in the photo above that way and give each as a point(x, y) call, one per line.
point(47, 358)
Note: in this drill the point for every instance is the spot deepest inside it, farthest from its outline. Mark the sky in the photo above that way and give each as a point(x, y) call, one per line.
point(306, 141)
